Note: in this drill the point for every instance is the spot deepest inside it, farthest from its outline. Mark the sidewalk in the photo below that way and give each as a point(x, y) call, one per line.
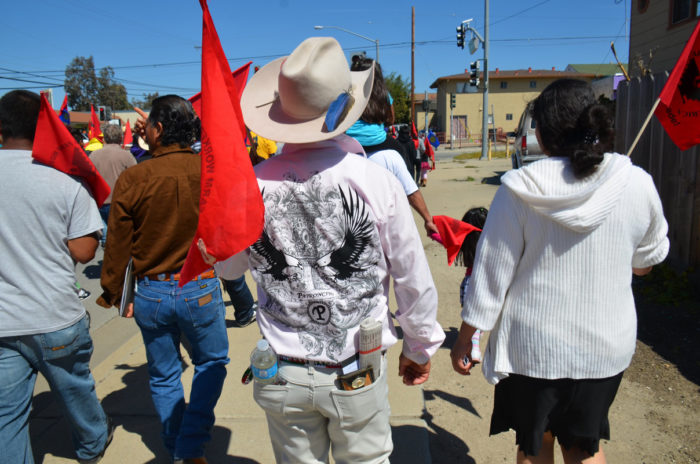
point(240, 433)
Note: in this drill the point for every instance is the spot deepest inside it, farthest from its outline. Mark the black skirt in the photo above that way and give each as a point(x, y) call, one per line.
point(574, 411)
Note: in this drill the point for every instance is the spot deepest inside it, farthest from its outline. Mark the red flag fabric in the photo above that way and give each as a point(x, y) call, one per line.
point(240, 78)
point(94, 129)
point(414, 132)
point(679, 105)
point(55, 146)
point(452, 233)
point(63, 113)
point(231, 210)
point(128, 136)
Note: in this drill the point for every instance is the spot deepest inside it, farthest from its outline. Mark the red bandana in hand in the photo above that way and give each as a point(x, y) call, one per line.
point(452, 233)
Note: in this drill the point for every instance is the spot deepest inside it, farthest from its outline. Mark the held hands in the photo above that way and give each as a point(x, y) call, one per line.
point(462, 350)
point(412, 372)
point(209, 259)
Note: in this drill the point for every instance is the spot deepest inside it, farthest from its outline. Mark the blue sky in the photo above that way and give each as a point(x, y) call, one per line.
point(151, 44)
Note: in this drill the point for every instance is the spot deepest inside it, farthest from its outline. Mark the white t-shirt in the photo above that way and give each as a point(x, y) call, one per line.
point(42, 208)
point(392, 160)
point(337, 229)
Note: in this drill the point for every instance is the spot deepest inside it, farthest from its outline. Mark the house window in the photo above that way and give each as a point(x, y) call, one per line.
point(682, 10)
point(504, 85)
point(533, 84)
point(509, 116)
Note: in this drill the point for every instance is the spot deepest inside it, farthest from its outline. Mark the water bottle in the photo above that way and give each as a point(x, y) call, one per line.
point(263, 363)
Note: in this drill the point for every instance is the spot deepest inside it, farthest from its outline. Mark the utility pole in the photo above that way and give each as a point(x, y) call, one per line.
point(426, 108)
point(485, 115)
point(413, 57)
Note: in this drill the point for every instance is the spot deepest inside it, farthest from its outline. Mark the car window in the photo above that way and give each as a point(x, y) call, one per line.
point(532, 123)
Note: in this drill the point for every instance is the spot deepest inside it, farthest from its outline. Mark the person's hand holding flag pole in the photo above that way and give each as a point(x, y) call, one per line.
point(231, 210)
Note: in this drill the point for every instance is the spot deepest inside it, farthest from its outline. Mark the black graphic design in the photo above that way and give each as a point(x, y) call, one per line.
point(316, 261)
point(689, 87)
point(277, 261)
point(358, 233)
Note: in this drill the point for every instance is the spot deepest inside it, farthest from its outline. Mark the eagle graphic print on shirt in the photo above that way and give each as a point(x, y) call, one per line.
point(316, 260)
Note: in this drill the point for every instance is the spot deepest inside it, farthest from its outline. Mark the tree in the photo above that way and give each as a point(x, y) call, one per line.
point(81, 83)
point(85, 88)
point(400, 91)
point(146, 102)
point(109, 92)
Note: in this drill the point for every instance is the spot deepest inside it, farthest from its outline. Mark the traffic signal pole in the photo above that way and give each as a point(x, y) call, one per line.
point(485, 112)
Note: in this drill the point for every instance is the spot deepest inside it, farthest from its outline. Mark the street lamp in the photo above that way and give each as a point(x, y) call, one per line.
point(376, 41)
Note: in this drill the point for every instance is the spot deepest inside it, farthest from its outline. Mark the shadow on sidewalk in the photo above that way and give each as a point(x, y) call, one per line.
point(131, 409)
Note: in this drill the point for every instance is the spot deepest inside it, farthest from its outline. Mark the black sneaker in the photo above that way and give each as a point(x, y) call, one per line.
point(110, 435)
point(245, 323)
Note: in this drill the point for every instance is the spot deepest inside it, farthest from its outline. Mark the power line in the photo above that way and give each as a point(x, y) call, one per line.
point(47, 84)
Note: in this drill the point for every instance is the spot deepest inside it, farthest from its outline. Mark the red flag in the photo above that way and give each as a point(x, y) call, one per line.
point(64, 115)
point(414, 132)
point(128, 136)
point(231, 210)
point(679, 105)
point(55, 146)
point(94, 129)
point(240, 78)
point(452, 233)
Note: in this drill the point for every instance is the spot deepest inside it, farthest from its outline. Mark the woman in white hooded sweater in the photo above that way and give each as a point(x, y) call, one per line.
point(552, 280)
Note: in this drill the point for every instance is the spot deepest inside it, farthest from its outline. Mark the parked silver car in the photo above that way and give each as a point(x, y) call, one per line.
point(525, 149)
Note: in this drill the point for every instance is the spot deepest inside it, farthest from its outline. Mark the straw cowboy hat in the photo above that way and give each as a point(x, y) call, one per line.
point(288, 99)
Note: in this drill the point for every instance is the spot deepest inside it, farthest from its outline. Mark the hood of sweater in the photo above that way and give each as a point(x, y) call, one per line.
point(550, 188)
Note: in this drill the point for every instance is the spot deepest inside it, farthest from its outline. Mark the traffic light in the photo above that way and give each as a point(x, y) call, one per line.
point(453, 101)
point(102, 113)
point(474, 73)
point(461, 33)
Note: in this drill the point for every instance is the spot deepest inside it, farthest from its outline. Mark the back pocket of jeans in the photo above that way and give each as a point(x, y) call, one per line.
point(62, 343)
point(358, 406)
point(205, 307)
point(146, 310)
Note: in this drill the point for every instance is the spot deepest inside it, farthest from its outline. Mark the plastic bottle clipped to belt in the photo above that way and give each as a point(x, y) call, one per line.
point(263, 365)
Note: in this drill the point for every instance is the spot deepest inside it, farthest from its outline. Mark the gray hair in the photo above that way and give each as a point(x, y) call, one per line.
point(112, 134)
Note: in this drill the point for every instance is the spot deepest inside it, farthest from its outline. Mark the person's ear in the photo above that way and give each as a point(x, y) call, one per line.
point(158, 128)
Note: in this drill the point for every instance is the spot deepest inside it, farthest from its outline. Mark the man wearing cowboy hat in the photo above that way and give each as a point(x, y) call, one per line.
point(337, 228)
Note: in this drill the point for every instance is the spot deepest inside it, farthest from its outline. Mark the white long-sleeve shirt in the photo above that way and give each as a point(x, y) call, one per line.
point(337, 228)
point(553, 269)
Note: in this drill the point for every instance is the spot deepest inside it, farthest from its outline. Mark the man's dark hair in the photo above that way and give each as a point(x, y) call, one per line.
point(113, 134)
point(378, 110)
point(19, 111)
point(180, 123)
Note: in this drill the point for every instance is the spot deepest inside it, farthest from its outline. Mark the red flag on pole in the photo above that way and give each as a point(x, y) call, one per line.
point(679, 101)
point(55, 146)
point(240, 77)
point(128, 136)
point(94, 129)
point(231, 210)
point(452, 234)
point(64, 115)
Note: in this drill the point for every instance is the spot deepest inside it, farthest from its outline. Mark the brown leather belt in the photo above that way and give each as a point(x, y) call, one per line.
point(210, 274)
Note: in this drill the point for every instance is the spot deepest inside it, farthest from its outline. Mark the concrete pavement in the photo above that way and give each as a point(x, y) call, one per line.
point(240, 433)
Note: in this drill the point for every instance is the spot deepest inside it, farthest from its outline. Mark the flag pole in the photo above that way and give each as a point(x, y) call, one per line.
point(644, 126)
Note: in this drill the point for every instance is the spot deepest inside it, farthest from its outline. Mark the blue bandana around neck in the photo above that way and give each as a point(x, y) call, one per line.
point(367, 134)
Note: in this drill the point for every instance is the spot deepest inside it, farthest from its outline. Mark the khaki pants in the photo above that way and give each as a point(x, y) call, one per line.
point(309, 415)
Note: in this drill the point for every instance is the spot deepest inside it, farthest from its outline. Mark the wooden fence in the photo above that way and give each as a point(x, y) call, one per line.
point(676, 173)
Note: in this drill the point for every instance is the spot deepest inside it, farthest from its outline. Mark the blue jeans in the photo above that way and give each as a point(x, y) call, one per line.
point(63, 357)
point(241, 298)
point(104, 214)
point(164, 311)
